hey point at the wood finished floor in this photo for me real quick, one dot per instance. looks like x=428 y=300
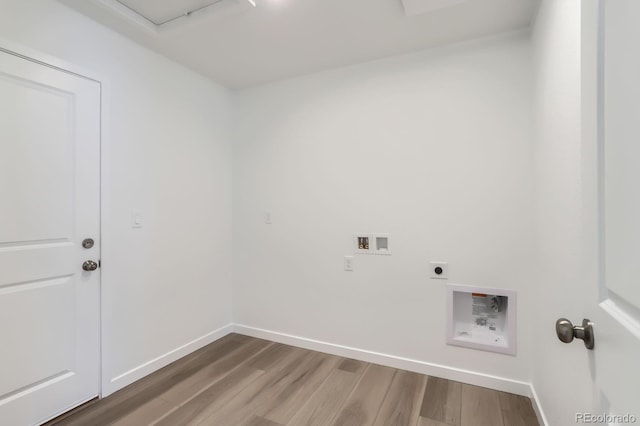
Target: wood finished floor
x=243 y=381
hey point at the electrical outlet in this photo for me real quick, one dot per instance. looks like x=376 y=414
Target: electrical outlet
x=348 y=263
x=439 y=270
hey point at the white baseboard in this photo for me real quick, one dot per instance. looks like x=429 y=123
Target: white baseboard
x=443 y=371
x=422 y=367
x=111 y=385
x=538 y=408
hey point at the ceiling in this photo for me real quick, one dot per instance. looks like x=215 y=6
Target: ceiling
x=239 y=45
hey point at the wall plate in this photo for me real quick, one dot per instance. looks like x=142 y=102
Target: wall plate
x=348 y=263
x=439 y=270
x=137 y=220
x=381 y=244
x=363 y=243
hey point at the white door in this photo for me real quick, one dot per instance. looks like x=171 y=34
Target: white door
x=612 y=218
x=49 y=203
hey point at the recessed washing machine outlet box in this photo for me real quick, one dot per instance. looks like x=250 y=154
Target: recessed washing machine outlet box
x=481 y=318
x=439 y=270
x=363 y=243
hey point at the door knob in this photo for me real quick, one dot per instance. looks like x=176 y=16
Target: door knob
x=567 y=332
x=89 y=265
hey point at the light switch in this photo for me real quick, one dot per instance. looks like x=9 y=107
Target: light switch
x=136 y=219
x=348 y=263
x=267 y=217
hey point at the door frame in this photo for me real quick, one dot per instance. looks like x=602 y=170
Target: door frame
x=44 y=59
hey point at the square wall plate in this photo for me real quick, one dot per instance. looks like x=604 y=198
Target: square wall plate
x=363 y=243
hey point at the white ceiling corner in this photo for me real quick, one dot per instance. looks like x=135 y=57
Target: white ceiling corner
x=238 y=45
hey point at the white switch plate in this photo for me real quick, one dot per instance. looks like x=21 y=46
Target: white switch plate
x=268 y=217
x=444 y=273
x=136 y=219
x=348 y=263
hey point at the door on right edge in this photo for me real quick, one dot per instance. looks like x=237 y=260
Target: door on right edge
x=616 y=315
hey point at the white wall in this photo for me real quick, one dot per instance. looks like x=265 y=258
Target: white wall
x=433 y=148
x=168 y=154
x=562 y=373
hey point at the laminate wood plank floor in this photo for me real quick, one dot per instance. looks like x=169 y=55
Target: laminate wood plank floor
x=243 y=381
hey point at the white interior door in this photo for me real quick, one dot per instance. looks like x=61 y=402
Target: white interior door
x=49 y=203
x=616 y=313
